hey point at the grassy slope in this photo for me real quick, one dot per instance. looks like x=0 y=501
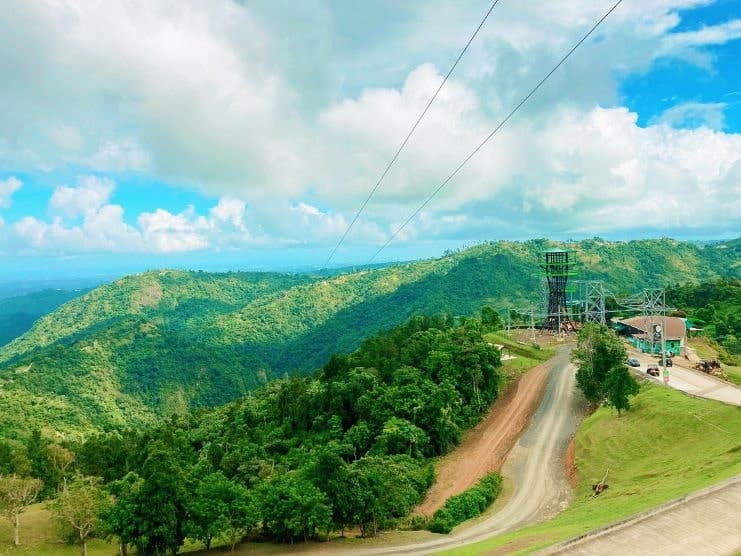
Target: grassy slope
x=525 y=355
x=705 y=350
x=667 y=445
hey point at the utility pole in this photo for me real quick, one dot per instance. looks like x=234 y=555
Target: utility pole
x=532 y=323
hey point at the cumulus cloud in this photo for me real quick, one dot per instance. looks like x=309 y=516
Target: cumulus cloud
x=216 y=96
x=119 y=155
x=82 y=220
x=7 y=188
x=172 y=233
x=90 y=194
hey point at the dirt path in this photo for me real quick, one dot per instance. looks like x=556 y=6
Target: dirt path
x=486 y=446
x=534 y=465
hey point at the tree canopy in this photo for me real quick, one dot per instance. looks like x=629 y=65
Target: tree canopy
x=601 y=371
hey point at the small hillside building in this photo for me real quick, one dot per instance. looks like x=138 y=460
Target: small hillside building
x=644 y=333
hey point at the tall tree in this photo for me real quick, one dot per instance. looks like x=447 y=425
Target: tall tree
x=490 y=319
x=598 y=350
x=16 y=494
x=620 y=384
x=59 y=459
x=121 y=520
x=292 y=507
x=13 y=459
x=81 y=505
x=220 y=506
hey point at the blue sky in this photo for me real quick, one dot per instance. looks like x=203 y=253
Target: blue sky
x=245 y=135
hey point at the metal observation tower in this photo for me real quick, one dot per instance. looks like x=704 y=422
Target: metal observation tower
x=557 y=265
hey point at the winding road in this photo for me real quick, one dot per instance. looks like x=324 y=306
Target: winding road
x=534 y=466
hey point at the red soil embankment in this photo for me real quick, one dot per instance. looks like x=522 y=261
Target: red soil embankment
x=485 y=447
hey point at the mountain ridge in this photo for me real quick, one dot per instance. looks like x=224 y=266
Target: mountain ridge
x=163 y=342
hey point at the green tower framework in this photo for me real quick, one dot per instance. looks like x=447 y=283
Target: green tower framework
x=558 y=265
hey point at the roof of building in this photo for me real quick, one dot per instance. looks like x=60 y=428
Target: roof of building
x=675 y=328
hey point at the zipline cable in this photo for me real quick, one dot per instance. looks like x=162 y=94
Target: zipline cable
x=496 y=129
x=409 y=135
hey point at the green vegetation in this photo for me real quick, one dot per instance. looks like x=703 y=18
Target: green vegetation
x=716 y=308
x=79 y=509
x=706 y=348
x=517 y=357
x=17 y=314
x=668 y=445
x=16 y=495
x=350 y=445
x=162 y=343
x=602 y=374
x=467 y=505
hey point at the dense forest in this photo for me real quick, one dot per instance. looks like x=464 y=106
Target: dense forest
x=164 y=342
x=350 y=445
x=715 y=307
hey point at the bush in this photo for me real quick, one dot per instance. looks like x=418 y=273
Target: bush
x=467 y=505
x=415 y=523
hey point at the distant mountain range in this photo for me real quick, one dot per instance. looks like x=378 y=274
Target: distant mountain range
x=18 y=313
x=163 y=342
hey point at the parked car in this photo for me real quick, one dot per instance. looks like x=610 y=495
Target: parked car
x=633 y=362
x=669 y=362
x=653 y=369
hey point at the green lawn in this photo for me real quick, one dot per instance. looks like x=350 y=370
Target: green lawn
x=39 y=537
x=525 y=355
x=667 y=445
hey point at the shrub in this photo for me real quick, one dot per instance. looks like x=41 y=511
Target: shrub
x=467 y=505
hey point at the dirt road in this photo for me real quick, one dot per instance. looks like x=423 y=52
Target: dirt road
x=534 y=466
x=485 y=448
x=693 y=382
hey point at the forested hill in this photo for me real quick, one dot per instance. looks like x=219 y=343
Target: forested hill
x=18 y=313
x=163 y=342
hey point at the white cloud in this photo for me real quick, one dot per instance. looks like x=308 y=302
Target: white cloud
x=89 y=195
x=171 y=233
x=217 y=96
x=707 y=35
x=120 y=155
x=103 y=228
x=319 y=224
x=7 y=188
x=66 y=137
x=230 y=210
